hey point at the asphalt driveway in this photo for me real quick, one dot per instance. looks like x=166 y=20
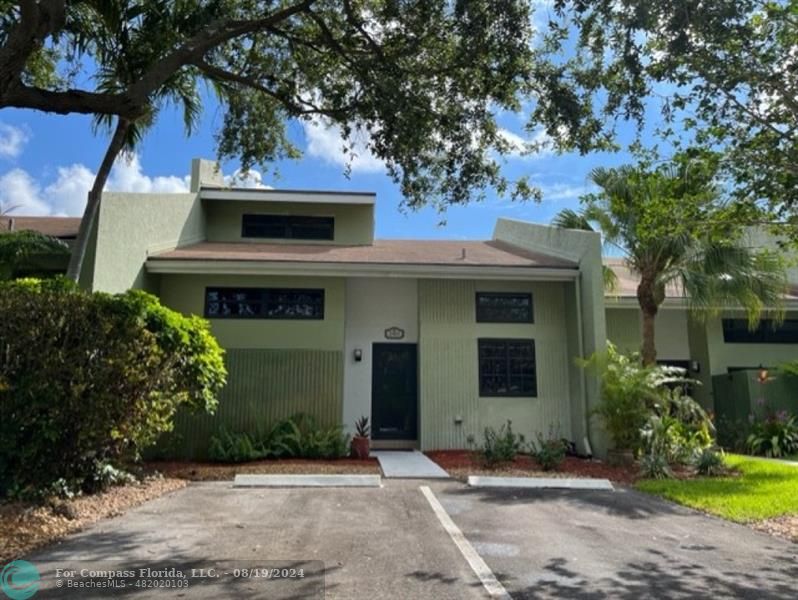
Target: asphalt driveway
x=390 y=543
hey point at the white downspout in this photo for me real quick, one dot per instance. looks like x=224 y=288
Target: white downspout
x=582 y=377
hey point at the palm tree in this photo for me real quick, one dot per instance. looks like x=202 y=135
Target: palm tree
x=668 y=222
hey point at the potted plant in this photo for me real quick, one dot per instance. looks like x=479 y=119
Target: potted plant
x=360 y=441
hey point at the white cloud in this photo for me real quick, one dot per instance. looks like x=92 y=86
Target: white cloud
x=66 y=194
x=20 y=194
x=563 y=191
x=531 y=148
x=246 y=179
x=324 y=141
x=12 y=140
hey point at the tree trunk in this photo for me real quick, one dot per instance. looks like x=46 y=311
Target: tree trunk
x=649 y=349
x=649 y=306
x=93 y=202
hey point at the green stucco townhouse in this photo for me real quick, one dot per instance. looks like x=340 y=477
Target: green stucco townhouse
x=433 y=340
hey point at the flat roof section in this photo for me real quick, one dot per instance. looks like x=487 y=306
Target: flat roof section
x=272 y=195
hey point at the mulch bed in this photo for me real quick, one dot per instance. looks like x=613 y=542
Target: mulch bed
x=462 y=463
x=785 y=527
x=25 y=527
x=207 y=471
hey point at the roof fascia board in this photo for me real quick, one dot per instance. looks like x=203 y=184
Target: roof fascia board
x=234 y=267
x=303 y=196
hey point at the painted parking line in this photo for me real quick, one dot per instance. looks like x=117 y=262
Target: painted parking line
x=494 y=588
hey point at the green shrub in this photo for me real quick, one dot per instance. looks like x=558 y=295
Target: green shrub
x=500 y=446
x=550 y=451
x=232 y=447
x=774 y=435
x=632 y=394
x=296 y=437
x=627 y=391
x=87 y=380
x=709 y=462
x=655 y=466
x=733 y=434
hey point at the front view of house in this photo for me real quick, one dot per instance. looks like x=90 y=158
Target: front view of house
x=432 y=340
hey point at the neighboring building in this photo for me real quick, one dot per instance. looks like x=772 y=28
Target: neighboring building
x=714 y=348
x=62 y=228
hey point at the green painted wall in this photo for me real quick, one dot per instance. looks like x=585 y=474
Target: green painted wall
x=449 y=386
x=740 y=393
x=186 y=293
x=624 y=329
x=131 y=226
x=583 y=247
x=264 y=386
x=354 y=223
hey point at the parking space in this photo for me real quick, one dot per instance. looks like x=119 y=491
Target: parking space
x=389 y=542
x=622 y=544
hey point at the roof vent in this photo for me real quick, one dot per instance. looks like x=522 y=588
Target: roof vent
x=463 y=254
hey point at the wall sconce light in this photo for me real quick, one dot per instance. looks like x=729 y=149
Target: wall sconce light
x=358 y=354
x=695 y=366
x=762 y=376
x=458 y=419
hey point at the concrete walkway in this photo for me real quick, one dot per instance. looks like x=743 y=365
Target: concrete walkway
x=408 y=465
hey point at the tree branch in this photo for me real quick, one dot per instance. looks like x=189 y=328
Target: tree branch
x=37 y=20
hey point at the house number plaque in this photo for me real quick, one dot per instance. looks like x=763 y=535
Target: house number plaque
x=394 y=333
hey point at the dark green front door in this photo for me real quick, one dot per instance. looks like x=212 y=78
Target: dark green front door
x=394 y=392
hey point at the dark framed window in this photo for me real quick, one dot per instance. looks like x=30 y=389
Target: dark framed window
x=736 y=331
x=504 y=307
x=507 y=367
x=263 y=303
x=288 y=227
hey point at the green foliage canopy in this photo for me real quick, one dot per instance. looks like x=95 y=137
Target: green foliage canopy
x=87 y=379
x=726 y=70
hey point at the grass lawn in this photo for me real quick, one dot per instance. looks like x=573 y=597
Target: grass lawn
x=762 y=490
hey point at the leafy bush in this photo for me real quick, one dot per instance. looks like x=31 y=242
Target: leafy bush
x=774 y=435
x=500 y=446
x=655 y=466
x=709 y=462
x=87 y=380
x=233 y=447
x=550 y=451
x=627 y=390
x=733 y=434
x=645 y=406
x=296 y=437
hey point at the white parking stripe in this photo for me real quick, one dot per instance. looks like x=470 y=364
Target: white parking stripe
x=482 y=570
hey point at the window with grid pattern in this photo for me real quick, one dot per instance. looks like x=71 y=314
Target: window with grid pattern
x=507 y=367
x=264 y=303
x=504 y=307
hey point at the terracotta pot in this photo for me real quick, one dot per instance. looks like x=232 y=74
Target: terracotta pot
x=360 y=447
x=620 y=458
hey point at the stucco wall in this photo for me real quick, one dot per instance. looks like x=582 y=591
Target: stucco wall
x=132 y=225
x=186 y=293
x=624 y=330
x=372 y=306
x=354 y=223
x=723 y=355
x=449 y=381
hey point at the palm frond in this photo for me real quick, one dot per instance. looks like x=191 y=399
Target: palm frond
x=728 y=274
x=570 y=219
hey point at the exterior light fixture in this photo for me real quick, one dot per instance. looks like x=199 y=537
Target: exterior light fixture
x=358 y=354
x=695 y=366
x=762 y=376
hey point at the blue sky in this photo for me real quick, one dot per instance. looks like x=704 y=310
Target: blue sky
x=47 y=163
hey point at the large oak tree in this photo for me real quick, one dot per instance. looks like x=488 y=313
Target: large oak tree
x=421 y=80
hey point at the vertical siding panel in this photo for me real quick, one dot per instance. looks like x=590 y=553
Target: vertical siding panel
x=449 y=383
x=264 y=386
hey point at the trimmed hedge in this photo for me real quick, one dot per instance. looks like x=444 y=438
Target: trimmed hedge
x=88 y=379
